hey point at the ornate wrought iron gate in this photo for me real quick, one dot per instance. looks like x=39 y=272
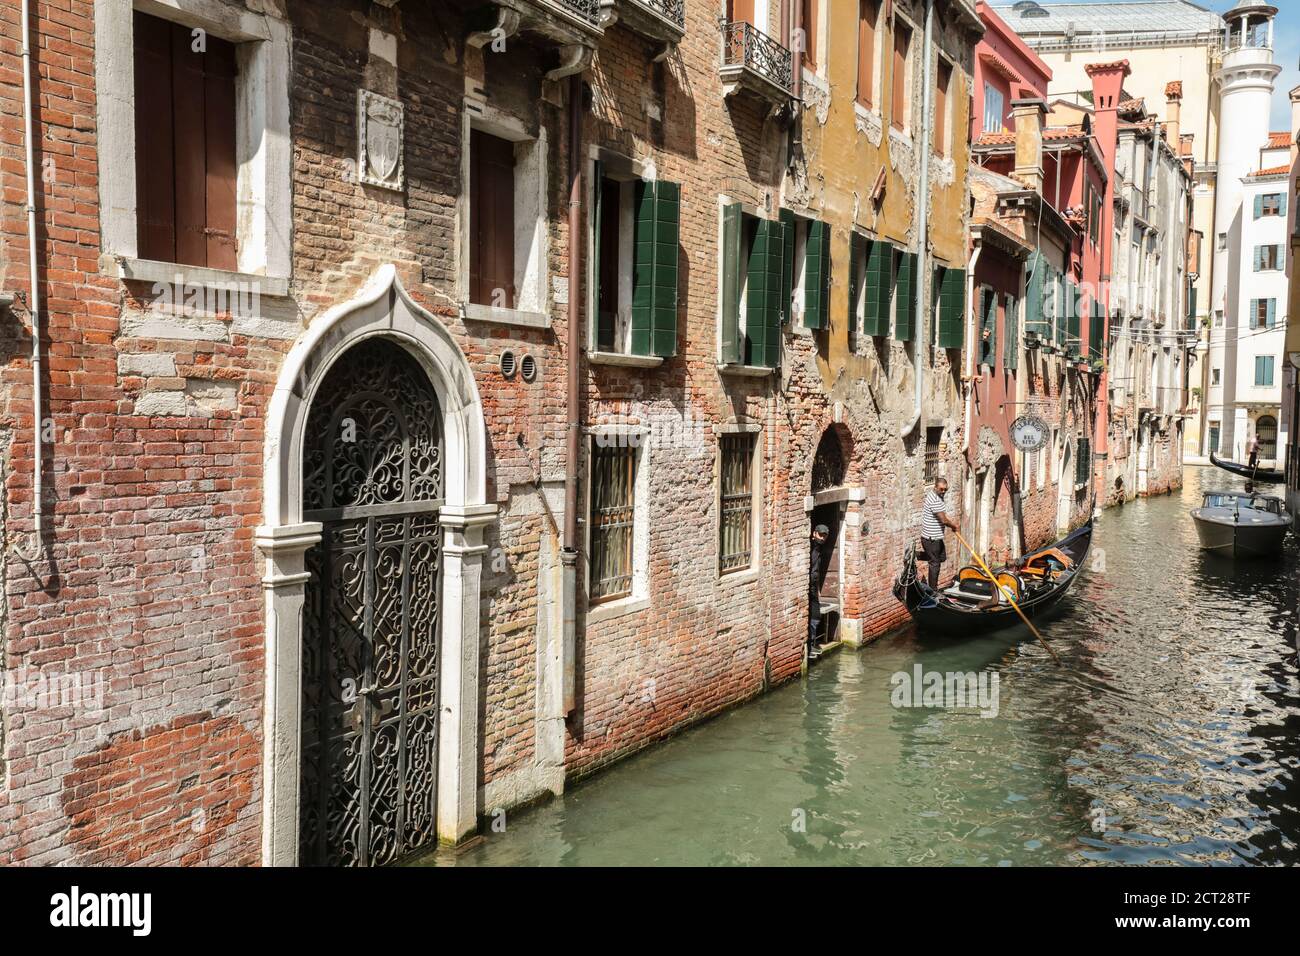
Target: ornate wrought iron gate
x=372 y=467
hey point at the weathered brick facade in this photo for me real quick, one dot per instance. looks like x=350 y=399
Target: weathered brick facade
x=150 y=583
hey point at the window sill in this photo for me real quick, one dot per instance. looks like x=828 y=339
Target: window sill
x=620 y=358
x=175 y=273
x=734 y=579
x=614 y=609
x=745 y=371
x=516 y=317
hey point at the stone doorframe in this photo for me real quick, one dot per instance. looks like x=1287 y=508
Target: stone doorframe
x=381 y=308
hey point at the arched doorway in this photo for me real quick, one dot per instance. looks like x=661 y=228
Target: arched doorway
x=1266 y=431
x=458 y=516
x=372 y=476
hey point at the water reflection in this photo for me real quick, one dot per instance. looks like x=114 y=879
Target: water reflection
x=1172 y=735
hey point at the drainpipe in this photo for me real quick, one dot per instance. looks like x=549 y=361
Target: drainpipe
x=569 y=552
x=796 y=59
x=923 y=218
x=34 y=298
x=971 y=343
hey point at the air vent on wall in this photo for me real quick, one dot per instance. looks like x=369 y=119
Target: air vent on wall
x=508 y=364
x=528 y=368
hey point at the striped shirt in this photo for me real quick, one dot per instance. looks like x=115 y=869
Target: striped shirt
x=933 y=507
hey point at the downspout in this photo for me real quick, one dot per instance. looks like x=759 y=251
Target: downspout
x=969 y=376
x=796 y=59
x=34 y=297
x=923 y=218
x=569 y=552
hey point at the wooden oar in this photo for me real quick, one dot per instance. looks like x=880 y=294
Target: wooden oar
x=1010 y=597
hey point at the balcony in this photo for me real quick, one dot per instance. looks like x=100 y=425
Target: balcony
x=661 y=21
x=573 y=26
x=754 y=63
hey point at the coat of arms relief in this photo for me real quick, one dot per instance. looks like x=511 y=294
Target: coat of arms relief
x=379 y=140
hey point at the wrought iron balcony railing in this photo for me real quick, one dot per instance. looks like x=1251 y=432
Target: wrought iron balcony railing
x=674 y=11
x=745 y=46
x=588 y=10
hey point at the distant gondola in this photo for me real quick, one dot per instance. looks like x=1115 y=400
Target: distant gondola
x=975 y=604
x=1269 y=476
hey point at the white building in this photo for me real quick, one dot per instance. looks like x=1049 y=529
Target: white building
x=1248 y=299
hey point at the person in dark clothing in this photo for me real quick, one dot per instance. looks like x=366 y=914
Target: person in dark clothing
x=819 y=552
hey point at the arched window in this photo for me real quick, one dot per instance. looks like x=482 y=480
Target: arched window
x=1266 y=429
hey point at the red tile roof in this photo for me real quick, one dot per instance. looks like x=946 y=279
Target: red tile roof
x=1271 y=171
x=1280 y=140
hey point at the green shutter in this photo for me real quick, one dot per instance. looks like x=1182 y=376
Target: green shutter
x=1096 y=331
x=855 y=264
x=763 y=299
x=905 y=309
x=787 y=263
x=879 y=277
x=1272 y=313
x=733 y=229
x=1059 y=312
x=952 y=309
x=988 y=327
x=1037 y=317
x=817 y=278
x=1191 y=308
x=654 y=269
x=1011 y=329
x=1072 y=317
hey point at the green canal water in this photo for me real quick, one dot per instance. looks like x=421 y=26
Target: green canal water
x=1171 y=736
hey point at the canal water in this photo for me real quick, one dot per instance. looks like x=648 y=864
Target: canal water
x=1171 y=736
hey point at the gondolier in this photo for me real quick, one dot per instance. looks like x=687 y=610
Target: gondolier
x=934 y=518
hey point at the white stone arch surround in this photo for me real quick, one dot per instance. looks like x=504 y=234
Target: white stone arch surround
x=381 y=308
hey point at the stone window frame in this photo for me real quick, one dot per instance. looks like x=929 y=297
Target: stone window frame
x=755 y=568
x=262 y=141
x=745 y=371
x=639 y=599
x=533 y=301
x=908 y=128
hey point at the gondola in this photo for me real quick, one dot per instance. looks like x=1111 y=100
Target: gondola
x=974 y=604
x=1269 y=476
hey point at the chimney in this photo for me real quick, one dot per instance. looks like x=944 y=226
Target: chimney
x=1173 y=112
x=1107 y=87
x=1185 y=144
x=1028 y=116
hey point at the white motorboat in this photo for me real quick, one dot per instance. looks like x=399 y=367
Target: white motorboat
x=1240 y=524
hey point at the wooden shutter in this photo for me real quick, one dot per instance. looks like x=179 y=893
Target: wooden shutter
x=1096 y=325
x=787 y=264
x=902 y=39
x=817 y=278
x=867 y=13
x=1281 y=206
x=1011 y=334
x=608 y=199
x=942 y=80
x=654 y=269
x=879 y=278
x=1259 y=258
x=1272 y=313
x=905 y=303
x=1191 y=308
x=733 y=228
x=186 y=168
x=762 y=298
x=855 y=266
x=1259 y=206
x=988 y=327
x=492 y=220
x=1060 y=312
x=1037 y=320
x=952 y=309
x=809 y=32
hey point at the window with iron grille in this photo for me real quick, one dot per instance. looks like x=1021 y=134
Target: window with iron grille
x=613 y=481
x=736 y=528
x=1083 y=461
x=933 y=442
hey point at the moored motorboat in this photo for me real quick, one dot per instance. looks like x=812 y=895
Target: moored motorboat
x=1268 y=476
x=975 y=603
x=1240 y=524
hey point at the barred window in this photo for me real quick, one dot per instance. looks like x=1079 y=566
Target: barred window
x=613 y=480
x=933 y=442
x=736 y=529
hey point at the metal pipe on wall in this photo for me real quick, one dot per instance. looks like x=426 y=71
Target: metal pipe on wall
x=569 y=550
x=34 y=296
x=923 y=217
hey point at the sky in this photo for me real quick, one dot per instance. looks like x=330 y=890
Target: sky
x=1286 y=53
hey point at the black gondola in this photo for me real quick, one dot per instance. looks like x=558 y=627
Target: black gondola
x=974 y=603
x=1269 y=476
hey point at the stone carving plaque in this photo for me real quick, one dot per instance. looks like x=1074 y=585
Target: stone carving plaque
x=379 y=140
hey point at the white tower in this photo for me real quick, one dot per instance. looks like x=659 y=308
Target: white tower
x=1245 y=77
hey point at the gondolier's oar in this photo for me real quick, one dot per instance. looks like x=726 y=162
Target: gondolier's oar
x=1007 y=592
